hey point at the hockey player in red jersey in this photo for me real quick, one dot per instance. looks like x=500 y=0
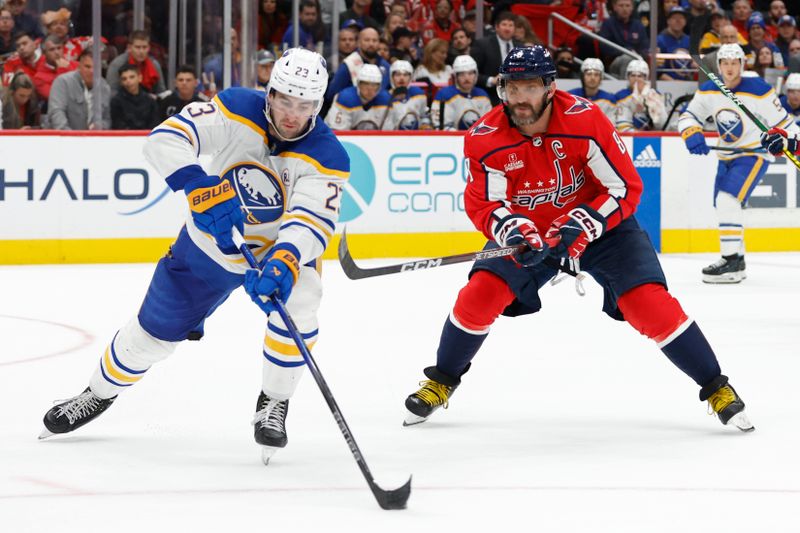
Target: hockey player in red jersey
x=549 y=171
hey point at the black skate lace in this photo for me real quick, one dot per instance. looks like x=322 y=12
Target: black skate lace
x=271 y=416
x=79 y=406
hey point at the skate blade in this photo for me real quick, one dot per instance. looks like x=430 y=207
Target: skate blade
x=740 y=421
x=266 y=453
x=413 y=420
x=725 y=278
x=46 y=433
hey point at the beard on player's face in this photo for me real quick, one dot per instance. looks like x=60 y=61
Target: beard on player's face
x=525 y=113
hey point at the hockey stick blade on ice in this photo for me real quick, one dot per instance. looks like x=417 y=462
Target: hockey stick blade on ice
x=387 y=499
x=716 y=80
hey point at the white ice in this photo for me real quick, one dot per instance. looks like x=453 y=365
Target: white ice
x=568 y=421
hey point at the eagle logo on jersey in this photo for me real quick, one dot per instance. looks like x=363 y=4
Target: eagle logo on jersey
x=580 y=105
x=482 y=129
x=729 y=125
x=260 y=191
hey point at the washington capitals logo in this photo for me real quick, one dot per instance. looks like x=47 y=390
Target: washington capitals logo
x=482 y=129
x=580 y=105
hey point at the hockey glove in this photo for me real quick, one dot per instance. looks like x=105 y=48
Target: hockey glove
x=570 y=234
x=276 y=279
x=695 y=141
x=776 y=140
x=215 y=209
x=517 y=229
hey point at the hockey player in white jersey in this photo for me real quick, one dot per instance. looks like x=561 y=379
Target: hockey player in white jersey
x=363 y=107
x=737 y=173
x=276 y=175
x=459 y=106
x=791 y=100
x=639 y=107
x=592 y=71
x=409 y=107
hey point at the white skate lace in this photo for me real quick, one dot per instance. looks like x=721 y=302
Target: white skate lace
x=719 y=263
x=271 y=416
x=79 y=406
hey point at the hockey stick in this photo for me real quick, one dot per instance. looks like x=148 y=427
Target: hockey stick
x=738 y=150
x=735 y=99
x=387 y=499
x=353 y=271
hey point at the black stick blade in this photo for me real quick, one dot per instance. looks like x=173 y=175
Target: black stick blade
x=392 y=500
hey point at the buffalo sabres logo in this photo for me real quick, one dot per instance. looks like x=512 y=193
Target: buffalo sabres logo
x=580 y=105
x=729 y=125
x=482 y=129
x=260 y=191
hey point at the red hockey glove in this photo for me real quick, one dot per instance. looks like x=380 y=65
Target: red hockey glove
x=517 y=229
x=570 y=234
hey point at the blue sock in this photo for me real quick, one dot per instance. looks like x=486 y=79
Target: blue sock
x=456 y=349
x=691 y=352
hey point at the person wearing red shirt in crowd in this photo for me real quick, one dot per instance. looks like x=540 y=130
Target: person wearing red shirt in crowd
x=741 y=14
x=54 y=65
x=272 y=25
x=138 y=54
x=441 y=25
x=26 y=59
x=57 y=23
x=6 y=32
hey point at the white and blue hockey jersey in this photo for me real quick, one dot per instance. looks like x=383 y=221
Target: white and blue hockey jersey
x=291 y=191
x=794 y=113
x=348 y=112
x=605 y=100
x=455 y=110
x=735 y=129
x=408 y=110
x=643 y=111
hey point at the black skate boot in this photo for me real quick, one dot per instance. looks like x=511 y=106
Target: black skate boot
x=728 y=269
x=270 y=425
x=73 y=413
x=725 y=403
x=435 y=393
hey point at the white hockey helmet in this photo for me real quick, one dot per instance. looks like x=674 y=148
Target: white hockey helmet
x=730 y=51
x=303 y=74
x=793 y=82
x=592 y=63
x=369 y=73
x=637 y=66
x=401 y=65
x=464 y=63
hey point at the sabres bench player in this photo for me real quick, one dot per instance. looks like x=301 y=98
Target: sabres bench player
x=737 y=173
x=549 y=171
x=276 y=176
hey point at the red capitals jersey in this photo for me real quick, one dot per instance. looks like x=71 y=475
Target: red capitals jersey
x=15 y=63
x=580 y=159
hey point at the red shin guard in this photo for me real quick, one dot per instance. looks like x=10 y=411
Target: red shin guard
x=652 y=311
x=481 y=301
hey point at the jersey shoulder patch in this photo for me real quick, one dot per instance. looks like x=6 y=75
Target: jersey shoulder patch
x=244 y=105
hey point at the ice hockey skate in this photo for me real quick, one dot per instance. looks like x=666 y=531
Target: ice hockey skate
x=726 y=404
x=727 y=269
x=270 y=425
x=71 y=414
x=434 y=393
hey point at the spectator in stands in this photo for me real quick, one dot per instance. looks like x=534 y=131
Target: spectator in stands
x=469 y=23
x=26 y=59
x=360 y=11
x=663 y=8
x=765 y=58
x=592 y=71
x=138 y=54
x=393 y=21
x=791 y=100
x=132 y=108
x=728 y=34
x=362 y=107
x=23 y=20
x=459 y=45
x=794 y=56
x=566 y=68
x=7 y=45
x=490 y=51
x=777 y=9
x=20 y=109
x=459 y=106
x=741 y=14
x=409 y=107
x=787 y=32
x=624 y=30
x=265 y=61
x=308 y=19
x=639 y=107
x=383 y=49
x=54 y=65
x=673 y=40
x=434 y=68
x=272 y=24
x=698 y=21
x=367 y=52
x=441 y=26
x=403 y=47
x=710 y=40
x=185 y=92
x=347 y=43
x=757 y=39
x=71 y=104
x=523 y=32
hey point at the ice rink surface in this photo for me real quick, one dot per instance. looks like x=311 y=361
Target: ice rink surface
x=568 y=421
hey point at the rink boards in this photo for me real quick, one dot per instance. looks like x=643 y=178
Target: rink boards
x=82 y=198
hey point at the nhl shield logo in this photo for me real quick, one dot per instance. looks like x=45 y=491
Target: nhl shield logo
x=259 y=190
